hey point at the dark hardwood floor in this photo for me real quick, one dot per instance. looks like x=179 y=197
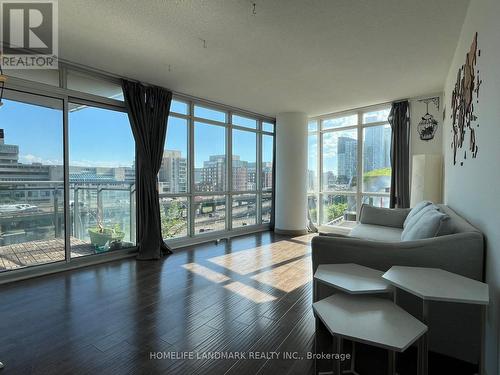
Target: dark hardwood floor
x=251 y=294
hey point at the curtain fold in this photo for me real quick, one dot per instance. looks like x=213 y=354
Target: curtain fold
x=399 y=118
x=148 y=108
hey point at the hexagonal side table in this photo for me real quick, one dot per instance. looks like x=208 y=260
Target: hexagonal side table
x=369 y=320
x=434 y=284
x=353 y=279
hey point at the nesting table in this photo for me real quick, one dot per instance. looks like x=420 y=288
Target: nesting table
x=433 y=284
x=360 y=317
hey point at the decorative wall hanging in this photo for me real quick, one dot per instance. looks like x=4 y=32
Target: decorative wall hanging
x=464 y=96
x=428 y=125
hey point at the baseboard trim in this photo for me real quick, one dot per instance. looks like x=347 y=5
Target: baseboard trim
x=290 y=232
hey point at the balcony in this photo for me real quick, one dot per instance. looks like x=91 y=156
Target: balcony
x=101 y=217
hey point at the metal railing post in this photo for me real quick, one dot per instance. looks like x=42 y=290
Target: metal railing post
x=133 y=229
x=76 y=213
x=100 y=212
x=57 y=223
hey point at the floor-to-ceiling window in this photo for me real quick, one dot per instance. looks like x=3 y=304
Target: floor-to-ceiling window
x=348 y=164
x=101 y=179
x=173 y=178
x=216 y=173
x=67 y=169
x=31 y=181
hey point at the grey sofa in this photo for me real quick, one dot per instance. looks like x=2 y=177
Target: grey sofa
x=376 y=242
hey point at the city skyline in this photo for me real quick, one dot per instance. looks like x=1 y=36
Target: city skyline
x=340 y=159
x=38 y=132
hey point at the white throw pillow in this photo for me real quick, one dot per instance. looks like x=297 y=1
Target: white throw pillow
x=415 y=210
x=428 y=225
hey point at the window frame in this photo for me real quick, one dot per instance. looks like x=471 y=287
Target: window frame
x=28 y=87
x=228 y=191
x=360 y=127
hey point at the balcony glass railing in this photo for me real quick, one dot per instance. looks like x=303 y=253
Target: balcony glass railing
x=32 y=225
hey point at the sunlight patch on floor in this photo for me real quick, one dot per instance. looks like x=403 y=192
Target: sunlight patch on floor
x=249 y=292
x=287 y=277
x=205 y=272
x=252 y=260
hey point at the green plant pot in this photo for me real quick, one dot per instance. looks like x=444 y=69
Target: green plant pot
x=99 y=239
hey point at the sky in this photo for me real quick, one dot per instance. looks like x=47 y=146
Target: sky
x=99 y=137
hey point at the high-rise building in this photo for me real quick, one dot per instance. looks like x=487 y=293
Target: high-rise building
x=267 y=175
x=252 y=176
x=173 y=172
x=212 y=176
x=376 y=148
x=240 y=174
x=346 y=159
x=12 y=170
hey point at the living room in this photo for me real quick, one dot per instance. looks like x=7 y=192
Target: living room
x=219 y=187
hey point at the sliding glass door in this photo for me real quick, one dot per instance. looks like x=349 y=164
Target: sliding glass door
x=101 y=180
x=31 y=181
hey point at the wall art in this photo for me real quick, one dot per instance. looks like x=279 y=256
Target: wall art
x=428 y=125
x=464 y=97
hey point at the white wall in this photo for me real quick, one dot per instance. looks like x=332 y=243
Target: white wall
x=418 y=146
x=291 y=172
x=473 y=189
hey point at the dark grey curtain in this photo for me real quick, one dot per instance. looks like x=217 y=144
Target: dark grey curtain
x=148 y=108
x=399 y=118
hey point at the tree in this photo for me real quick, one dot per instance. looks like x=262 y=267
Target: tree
x=172 y=222
x=335 y=210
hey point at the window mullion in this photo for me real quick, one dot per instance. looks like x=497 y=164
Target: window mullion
x=191 y=203
x=359 y=163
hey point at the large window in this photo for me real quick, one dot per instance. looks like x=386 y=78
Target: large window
x=267 y=162
x=216 y=167
x=352 y=152
x=210 y=172
x=102 y=180
x=173 y=176
x=31 y=181
x=244 y=160
x=68 y=173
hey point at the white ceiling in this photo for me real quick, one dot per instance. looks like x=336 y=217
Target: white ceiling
x=313 y=56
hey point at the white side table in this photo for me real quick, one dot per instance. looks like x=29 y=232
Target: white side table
x=369 y=320
x=352 y=279
x=434 y=284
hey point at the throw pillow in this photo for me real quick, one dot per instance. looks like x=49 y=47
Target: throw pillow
x=415 y=210
x=428 y=225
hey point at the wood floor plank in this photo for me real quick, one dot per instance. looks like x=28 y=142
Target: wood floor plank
x=250 y=294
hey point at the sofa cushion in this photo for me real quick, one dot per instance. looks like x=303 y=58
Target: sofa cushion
x=409 y=223
x=430 y=224
x=415 y=210
x=383 y=216
x=376 y=233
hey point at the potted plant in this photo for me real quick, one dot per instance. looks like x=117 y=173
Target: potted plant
x=100 y=235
